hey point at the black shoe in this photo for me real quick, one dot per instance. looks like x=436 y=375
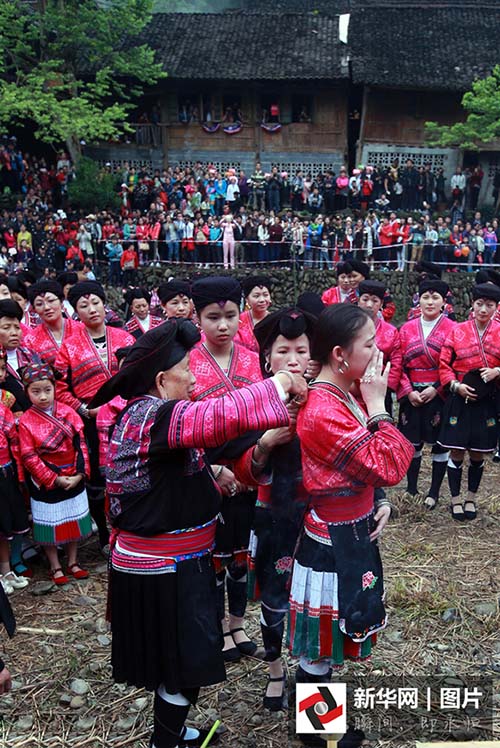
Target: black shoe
x=470 y=513
x=276 y=703
x=233 y=654
x=196 y=742
x=457 y=512
x=315 y=741
x=496 y=456
x=302 y=676
x=248 y=648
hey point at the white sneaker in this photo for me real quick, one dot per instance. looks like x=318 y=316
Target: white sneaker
x=18 y=583
x=7 y=587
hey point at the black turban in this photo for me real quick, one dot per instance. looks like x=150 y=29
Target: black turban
x=372 y=287
x=433 y=285
x=311 y=303
x=85 y=288
x=291 y=322
x=344 y=268
x=360 y=267
x=157 y=350
x=215 y=290
x=173 y=288
x=482 y=276
x=137 y=293
x=68 y=277
x=45 y=286
x=429 y=268
x=486 y=291
x=11 y=309
x=254 y=281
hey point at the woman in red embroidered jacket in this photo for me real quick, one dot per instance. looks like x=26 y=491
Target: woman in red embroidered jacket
x=420 y=395
x=55 y=458
x=13 y=517
x=46 y=298
x=85 y=361
x=469 y=367
x=163 y=503
x=221 y=366
x=18 y=355
x=337 y=584
x=138 y=301
x=343 y=291
x=257 y=293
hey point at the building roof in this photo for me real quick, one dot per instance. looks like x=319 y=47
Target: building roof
x=433 y=44
x=248 y=46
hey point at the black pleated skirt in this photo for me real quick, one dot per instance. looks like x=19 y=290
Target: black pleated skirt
x=166 y=629
x=471 y=425
x=13 y=514
x=421 y=424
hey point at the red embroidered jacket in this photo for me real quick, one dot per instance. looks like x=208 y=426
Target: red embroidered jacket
x=387 y=339
x=342 y=461
x=135 y=328
x=41 y=340
x=9 y=441
x=52 y=444
x=420 y=358
x=333 y=296
x=464 y=350
x=106 y=419
x=212 y=381
x=245 y=336
x=82 y=368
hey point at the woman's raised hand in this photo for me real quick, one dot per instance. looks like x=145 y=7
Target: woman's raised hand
x=373 y=383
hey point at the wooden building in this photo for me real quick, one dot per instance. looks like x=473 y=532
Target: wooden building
x=352 y=81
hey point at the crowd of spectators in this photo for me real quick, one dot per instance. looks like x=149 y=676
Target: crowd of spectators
x=198 y=215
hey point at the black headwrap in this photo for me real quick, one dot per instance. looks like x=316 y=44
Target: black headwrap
x=157 y=350
x=43 y=287
x=493 y=277
x=290 y=322
x=16 y=285
x=68 y=277
x=429 y=268
x=11 y=309
x=372 y=287
x=433 y=284
x=344 y=268
x=215 y=290
x=486 y=291
x=254 y=281
x=85 y=288
x=360 y=267
x=26 y=276
x=173 y=288
x=311 y=302
x=482 y=276
x=137 y=293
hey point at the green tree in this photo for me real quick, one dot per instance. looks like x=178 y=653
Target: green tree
x=72 y=67
x=482 y=123
x=92 y=188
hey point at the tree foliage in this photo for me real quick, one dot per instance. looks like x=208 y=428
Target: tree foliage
x=482 y=124
x=72 y=66
x=92 y=188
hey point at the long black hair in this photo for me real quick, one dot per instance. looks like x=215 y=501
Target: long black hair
x=339 y=325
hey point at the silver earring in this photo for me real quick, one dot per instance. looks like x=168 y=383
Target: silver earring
x=345 y=363
x=267 y=368
x=340 y=370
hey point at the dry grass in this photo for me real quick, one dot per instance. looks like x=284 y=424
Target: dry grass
x=431 y=564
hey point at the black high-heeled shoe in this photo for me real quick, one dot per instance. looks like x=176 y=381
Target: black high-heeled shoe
x=233 y=654
x=276 y=703
x=248 y=648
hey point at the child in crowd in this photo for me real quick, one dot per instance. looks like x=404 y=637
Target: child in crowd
x=55 y=456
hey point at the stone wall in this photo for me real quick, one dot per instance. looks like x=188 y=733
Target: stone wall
x=289 y=284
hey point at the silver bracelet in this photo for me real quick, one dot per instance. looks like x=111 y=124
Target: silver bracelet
x=218 y=472
x=288 y=373
x=454 y=385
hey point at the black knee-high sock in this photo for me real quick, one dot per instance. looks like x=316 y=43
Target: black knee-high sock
x=237 y=594
x=413 y=471
x=272 y=625
x=437 y=476
x=168 y=722
x=220 y=593
x=455 y=476
x=474 y=475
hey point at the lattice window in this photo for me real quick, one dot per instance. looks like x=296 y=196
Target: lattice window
x=117 y=164
x=221 y=166
x=385 y=158
x=493 y=165
x=292 y=167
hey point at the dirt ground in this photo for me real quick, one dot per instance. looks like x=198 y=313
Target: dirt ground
x=433 y=567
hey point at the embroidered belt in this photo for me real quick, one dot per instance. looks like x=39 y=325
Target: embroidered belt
x=317 y=529
x=424 y=376
x=160 y=554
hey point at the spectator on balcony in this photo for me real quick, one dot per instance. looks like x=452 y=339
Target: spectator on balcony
x=341 y=189
x=408 y=179
x=233 y=194
x=273 y=190
x=298 y=192
x=458 y=184
x=220 y=194
x=258 y=191
x=243 y=188
x=315 y=201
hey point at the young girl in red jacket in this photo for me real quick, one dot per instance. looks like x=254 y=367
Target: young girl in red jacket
x=55 y=458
